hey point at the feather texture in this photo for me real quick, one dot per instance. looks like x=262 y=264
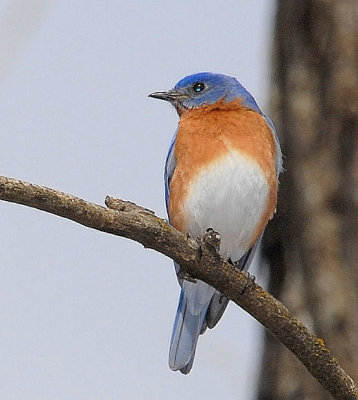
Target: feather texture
x=221 y=173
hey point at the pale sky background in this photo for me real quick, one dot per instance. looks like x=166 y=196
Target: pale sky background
x=85 y=315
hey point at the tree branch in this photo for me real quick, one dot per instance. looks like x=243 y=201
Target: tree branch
x=197 y=258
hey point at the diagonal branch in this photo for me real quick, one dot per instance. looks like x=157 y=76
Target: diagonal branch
x=201 y=261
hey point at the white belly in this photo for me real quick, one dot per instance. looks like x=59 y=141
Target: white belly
x=230 y=197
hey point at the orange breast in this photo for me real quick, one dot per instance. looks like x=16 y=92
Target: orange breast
x=206 y=134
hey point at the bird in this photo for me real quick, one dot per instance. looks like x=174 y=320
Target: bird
x=221 y=173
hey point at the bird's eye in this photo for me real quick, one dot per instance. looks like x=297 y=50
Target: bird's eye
x=199 y=87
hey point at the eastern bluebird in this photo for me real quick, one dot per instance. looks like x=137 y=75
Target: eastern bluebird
x=221 y=172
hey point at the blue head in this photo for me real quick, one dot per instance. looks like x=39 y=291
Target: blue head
x=206 y=88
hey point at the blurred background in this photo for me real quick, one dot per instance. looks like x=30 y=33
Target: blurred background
x=86 y=315
x=312 y=243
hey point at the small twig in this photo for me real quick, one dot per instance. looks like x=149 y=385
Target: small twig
x=200 y=261
x=126 y=206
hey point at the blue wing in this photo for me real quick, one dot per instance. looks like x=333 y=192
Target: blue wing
x=200 y=307
x=194 y=300
x=170 y=163
x=278 y=159
x=189 y=322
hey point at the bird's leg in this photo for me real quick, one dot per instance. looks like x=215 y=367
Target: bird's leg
x=250 y=279
x=212 y=238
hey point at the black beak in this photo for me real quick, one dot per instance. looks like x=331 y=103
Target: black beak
x=171 y=95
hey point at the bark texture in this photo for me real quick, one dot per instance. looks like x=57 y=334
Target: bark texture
x=198 y=258
x=312 y=244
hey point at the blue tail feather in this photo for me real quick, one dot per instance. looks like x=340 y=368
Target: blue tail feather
x=192 y=309
x=200 y=307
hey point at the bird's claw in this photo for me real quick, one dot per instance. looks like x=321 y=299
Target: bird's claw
x=212 y=238
x=250 y=279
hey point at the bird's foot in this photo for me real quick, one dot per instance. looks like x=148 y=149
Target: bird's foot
x=212 y=238
x=250 y=279
x=209 y=241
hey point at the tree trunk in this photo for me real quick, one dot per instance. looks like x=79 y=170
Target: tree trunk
x=312 y=244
